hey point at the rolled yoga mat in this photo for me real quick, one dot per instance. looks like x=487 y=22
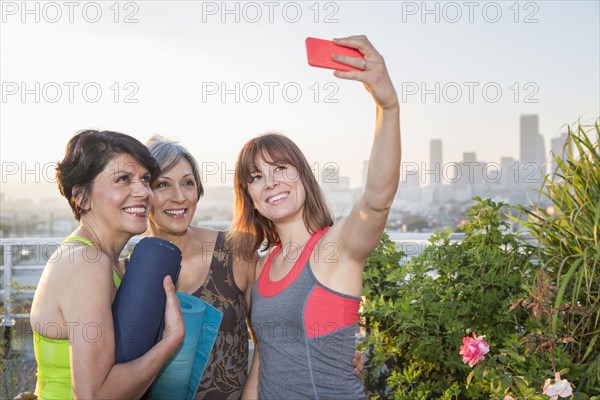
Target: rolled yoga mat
x=139 y=306
x=180 y=378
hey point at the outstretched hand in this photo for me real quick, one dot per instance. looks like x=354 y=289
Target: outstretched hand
x=374 y=74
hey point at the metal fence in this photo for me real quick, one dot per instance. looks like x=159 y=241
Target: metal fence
x=23 y=260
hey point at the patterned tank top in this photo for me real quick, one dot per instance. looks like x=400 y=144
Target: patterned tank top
x=227 y=367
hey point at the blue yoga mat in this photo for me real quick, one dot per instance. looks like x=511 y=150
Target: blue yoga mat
x=139 y=306
x=180 y=378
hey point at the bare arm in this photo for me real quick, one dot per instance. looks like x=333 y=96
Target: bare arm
x=360 y=232
x=250 y=267
x=87 y=310
x=250 y=391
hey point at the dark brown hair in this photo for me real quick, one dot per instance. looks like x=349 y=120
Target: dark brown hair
x=87 y=154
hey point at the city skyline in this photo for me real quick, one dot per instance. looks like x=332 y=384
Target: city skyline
x=329 y=174
x=431 y=195
x=212 y=76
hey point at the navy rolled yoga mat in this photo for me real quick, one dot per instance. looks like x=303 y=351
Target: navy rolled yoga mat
x=139 y=306
x=180 y=378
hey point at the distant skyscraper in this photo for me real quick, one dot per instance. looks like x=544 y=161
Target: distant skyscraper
x=509 y=168
x=541 y=154
x=469 y=157
x=435 y=160
x=533 y=150
x=435 y=168
x=529 y=127
x=470 y=171
x=410 y=178
x=557 y=145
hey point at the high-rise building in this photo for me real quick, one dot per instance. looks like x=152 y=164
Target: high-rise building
x=509 y=170
x=556 y=147
x=469 y=172
x=435 y=165
x=410 y=179
x=533 y=150
x=435 y=160
x=469 y=157
x=529 y=128
x=541 y=154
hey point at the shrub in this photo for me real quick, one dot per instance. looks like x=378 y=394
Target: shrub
x=423 y=309
x=537 y=304
x=569 y=249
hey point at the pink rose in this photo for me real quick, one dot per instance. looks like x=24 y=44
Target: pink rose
x=473 y=349
x=508 y=398
x=557 y=387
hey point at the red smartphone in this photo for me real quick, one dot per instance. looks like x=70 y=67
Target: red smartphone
x=319 y=53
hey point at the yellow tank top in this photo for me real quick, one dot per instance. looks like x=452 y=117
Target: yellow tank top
x=53 y=368
x=53 y=358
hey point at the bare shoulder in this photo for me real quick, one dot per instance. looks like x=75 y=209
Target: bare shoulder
x=78 y=260
x=87 y=280
x=332 y=264
x=260 y=263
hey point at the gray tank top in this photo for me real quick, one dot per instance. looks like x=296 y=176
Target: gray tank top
x=306 y=333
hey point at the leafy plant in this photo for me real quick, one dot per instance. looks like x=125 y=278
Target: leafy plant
x=569 y=250
x=423 y=309
x=537 y=304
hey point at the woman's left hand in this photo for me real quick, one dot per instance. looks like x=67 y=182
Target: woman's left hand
x=359 y=364
x=374 y=74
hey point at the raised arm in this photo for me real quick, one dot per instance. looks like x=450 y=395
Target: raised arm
x=360 y=232
x=87 y=311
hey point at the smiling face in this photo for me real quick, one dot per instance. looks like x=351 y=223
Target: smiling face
x=276 y=190
x=175 y=199
x=120 y=197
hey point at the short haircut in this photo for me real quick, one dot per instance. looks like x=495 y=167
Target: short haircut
x=86 y=156
x=168 y=153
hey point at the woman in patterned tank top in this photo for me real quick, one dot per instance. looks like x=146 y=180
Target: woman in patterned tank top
x=209 y=267
x=306 y=297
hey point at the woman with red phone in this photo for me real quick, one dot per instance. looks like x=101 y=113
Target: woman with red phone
x=308 y=284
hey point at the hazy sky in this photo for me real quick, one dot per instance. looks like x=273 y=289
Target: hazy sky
x=214 y=74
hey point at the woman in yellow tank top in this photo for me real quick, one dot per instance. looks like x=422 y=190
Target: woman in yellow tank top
x=52 y=355
x=106 y=178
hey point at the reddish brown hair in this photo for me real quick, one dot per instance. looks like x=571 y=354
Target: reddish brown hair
x=250 y=229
